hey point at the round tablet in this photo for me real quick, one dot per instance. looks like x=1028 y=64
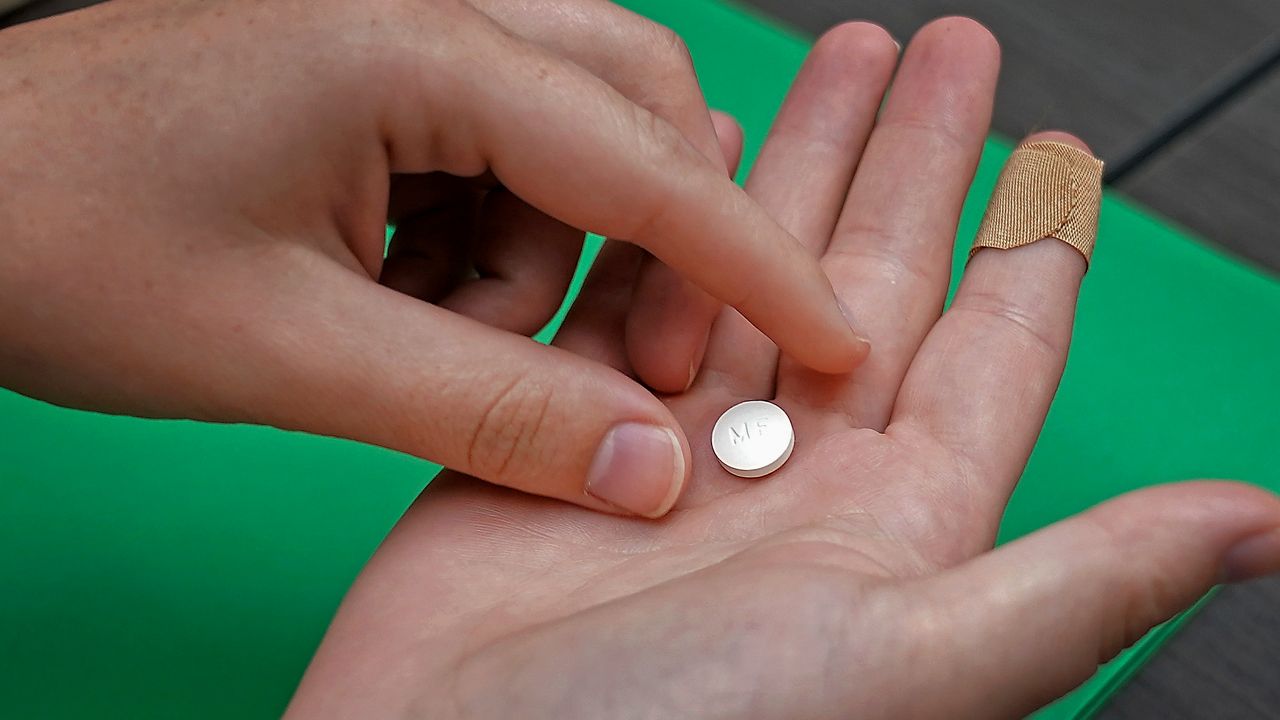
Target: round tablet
x=752 y=439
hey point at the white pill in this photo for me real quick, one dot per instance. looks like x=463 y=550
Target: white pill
x=752 y=439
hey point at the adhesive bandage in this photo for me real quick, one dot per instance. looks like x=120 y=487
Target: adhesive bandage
x=1047 y=189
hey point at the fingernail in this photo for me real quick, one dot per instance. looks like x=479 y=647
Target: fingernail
x=1253 y=557
x=848 y=318
x=639 y=468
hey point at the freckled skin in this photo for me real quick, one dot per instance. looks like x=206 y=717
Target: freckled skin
x=197 y=194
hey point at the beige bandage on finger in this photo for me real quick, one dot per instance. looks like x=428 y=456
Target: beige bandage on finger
x=1047 y=189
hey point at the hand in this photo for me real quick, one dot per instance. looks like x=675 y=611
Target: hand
x=196 y=194
x=859 y=580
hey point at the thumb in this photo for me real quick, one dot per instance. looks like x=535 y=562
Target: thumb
x=1036 y=617
x=363 y=362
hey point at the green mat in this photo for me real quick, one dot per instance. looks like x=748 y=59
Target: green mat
x=172 y=569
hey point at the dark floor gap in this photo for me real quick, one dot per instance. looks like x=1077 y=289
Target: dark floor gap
x=1231 y=85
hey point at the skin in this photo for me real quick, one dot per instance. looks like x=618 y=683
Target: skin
x=859 y=580
x=204 y=243
x=196 y=195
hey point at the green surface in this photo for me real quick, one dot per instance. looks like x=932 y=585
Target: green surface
x=171 y=569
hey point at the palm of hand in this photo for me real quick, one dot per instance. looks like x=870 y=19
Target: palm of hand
x=745 y=575
x=855 y=580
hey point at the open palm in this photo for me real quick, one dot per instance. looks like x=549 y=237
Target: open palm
x=858 y=580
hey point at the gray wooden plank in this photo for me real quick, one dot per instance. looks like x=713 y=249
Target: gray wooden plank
x=1222 y=180
x=1111 y=74
x=1224 y=665
x=1106 y=71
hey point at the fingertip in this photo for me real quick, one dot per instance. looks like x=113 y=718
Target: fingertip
x=667 y=328
x=731 y=137
x=1058 y=136
x=826 y=339
x=1240 y=523
x=960 y=34
x=845 y=355
x=837 y=361
x=639 y=469
x=859 y=41
x=1252 y=558
x=725 y=123
x=666 y=356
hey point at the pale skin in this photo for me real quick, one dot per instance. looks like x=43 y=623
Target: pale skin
x=196 y=195
x=193 y=229
x=860 y=580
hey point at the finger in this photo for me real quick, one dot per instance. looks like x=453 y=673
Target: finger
x=594 y=328
x=1080 y=591
x=429 y=253
x=670 y=320
x=644 y=61
x=729 y=138
x=622 y=172
x=802 y=175
x=890 y=256
x=525 y=261
x=650 y=65
x=983 y=380
x=344 y=357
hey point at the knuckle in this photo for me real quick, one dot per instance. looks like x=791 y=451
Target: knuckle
x=940 y=133
x=1147 y=604
x=668 y=86
x=671 y=48
x=1144 y=599
x=667 y=140
x=870 y=250
x=511 y=431
x=1005 y=318
x=665 y=77
x=662 y=147
x=1060 y=136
